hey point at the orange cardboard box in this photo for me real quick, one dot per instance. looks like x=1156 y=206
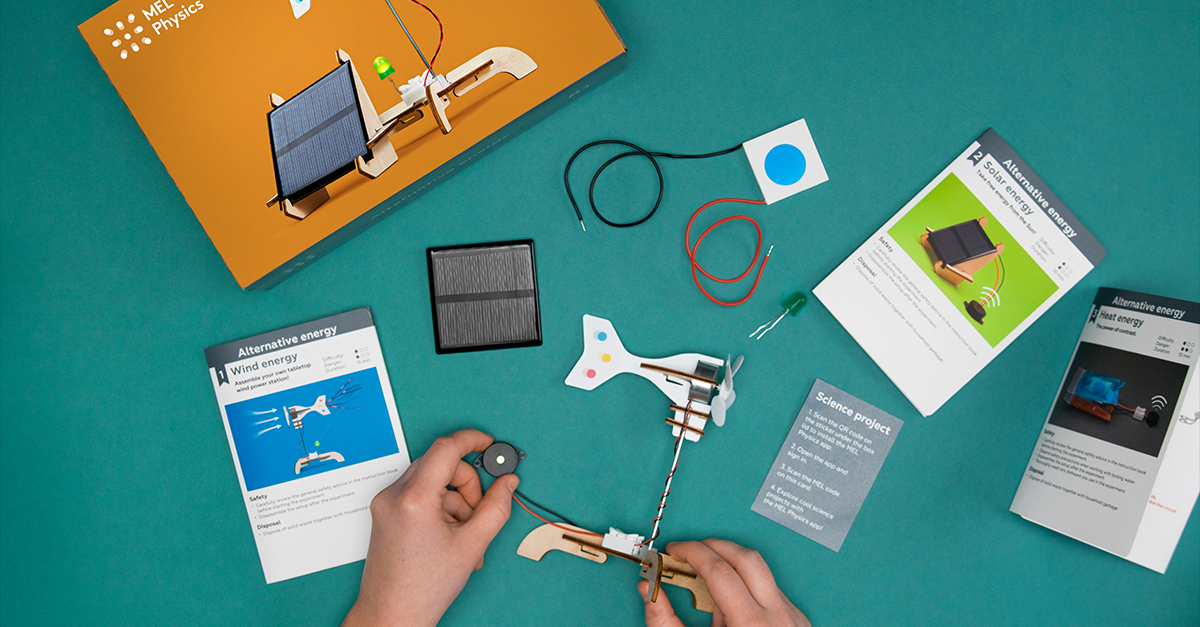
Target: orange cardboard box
x=199 y=78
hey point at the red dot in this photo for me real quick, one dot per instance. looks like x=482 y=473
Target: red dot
x=591 y=374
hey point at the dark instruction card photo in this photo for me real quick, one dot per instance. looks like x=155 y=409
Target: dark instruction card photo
x=827 y=465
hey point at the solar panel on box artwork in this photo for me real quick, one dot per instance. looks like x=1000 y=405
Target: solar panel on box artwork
x=484 y=296
x=317 y=134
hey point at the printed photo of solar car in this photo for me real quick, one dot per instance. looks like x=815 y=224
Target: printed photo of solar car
x=970 y=257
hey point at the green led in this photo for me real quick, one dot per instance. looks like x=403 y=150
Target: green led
x=383 y=67
x=792 y=304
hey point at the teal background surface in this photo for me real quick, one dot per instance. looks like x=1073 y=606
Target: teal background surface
x=119 y=503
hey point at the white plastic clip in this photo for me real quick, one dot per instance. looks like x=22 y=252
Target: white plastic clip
x=626 y=543
x=413 y=91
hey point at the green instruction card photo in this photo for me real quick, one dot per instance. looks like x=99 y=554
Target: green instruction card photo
x=951 y=236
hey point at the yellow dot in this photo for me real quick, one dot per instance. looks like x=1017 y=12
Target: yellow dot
x=606 y=358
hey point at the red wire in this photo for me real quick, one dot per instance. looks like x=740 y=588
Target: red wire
x=667 y=491
x=691 y=250
x=441 y=33
x=996 y=261
x=587 y=533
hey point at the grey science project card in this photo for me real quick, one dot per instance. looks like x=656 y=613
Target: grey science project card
x=827 y=465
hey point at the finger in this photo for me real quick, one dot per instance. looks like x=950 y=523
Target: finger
x=659 y=613
x=727 y=588
x=454 y=504
x=718 y=617
x=751 y=567
x=440 y=462
x=466 y=481
x=493 y=510
x=479 y=566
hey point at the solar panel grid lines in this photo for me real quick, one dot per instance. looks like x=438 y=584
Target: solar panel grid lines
x=484 y=270
x=961 y=242
x=318 y=133
x=482 y=322
x=485 y=296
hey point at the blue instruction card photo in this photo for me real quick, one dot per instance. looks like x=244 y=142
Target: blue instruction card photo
x=827 y=465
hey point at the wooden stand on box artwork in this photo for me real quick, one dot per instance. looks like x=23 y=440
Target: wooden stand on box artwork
x=659 y=569
x=965 y=270
x=464 y=78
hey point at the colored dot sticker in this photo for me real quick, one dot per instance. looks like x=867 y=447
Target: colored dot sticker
x=784 y=164
x=601 y=335
x=606 y=358
x=591 y=374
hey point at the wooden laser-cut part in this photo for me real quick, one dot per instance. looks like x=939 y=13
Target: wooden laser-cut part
x=692 y=412
x=676 y=423
x=301 y=208
x=490 y=62
x=548 y=538
x=437 y=107
x=681 y=375
x=578 y=542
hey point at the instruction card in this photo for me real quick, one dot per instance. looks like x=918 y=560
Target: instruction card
x=962 y=270
x=827 y=465
x=1117 y=464
x=314 y=434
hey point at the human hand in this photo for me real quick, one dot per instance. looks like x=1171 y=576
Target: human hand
x=425 y=538
x=741 y=584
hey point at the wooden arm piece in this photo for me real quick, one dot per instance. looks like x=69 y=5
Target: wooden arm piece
x=489 y=63
x=576 y=541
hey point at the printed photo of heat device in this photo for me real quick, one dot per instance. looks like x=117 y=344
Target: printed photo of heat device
x=1119 y=397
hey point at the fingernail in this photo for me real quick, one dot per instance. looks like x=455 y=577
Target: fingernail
x=512 y=484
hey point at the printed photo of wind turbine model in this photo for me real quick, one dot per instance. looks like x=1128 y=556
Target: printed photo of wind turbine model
x=322 y=406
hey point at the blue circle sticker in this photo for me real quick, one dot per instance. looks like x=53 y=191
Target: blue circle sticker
x=784 y=164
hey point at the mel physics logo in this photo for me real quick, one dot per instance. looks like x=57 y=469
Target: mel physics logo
x=123 y=35
x=160 y=21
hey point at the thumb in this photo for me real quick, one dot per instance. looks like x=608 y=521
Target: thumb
x=660 y=613
x=493 y=511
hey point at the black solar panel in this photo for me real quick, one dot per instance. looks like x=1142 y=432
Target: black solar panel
x=961 y=242
x=484 y=296
x=316 y=135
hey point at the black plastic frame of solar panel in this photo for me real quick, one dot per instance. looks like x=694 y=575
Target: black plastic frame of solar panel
x=335 y=173
x=483 y=297
x=962 y=242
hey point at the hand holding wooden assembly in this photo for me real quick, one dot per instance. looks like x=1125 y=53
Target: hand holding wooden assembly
x=689 y=381
x=658 y=568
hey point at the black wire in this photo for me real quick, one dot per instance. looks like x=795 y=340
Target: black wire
x=637 y=151
x=545 y=509
x=1003 y=272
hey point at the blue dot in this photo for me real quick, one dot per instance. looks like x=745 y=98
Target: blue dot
x=784 y=164
x=602 y=336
